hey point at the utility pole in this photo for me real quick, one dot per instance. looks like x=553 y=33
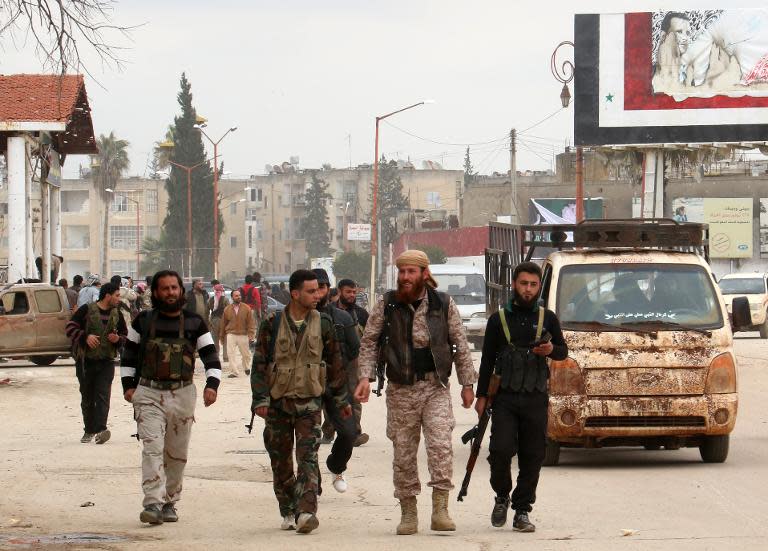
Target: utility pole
x=513 y=175
x=272 y=199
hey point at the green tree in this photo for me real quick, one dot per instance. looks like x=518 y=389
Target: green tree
x=469 y=171
x=390 y=200
x=108 y=166
x=435 y=254
x=188 y=151
x=355 y=266
x=317 y=234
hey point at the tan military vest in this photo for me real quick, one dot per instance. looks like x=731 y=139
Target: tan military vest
x=298 y=373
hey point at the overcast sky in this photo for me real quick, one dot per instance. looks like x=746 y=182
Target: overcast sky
x=306 y=78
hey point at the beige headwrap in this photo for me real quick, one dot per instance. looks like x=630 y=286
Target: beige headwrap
x=413 y=257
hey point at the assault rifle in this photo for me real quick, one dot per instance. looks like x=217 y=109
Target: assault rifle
x=476 y=433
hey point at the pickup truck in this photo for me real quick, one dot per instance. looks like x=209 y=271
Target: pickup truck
x=651 y=360
x=32 y=321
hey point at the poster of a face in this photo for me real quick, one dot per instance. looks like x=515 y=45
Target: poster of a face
x=704 y=53
x=764 y=228
x=729 y=219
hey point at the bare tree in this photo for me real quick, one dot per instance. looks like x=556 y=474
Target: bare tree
x=60 y=29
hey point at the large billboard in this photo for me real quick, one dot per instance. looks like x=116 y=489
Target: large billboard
x=671 y=77
x=729 y=219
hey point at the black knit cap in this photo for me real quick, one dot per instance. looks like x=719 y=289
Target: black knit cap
x=322 y=276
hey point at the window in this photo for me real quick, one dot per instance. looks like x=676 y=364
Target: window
x=151 y=231
x=76 y=237
x=123 y=201
x=124 y=237
x=250 y=236
x=298 y=228
x=258 y=194
x=74 y=201
x=15 y=304
x=4 y=208
x=233 y=207
x=259 y=229
x=287 y=229
x=250 y=214
x=150 y=196
x=233 y=241
x=124 y=267
x=48 y=301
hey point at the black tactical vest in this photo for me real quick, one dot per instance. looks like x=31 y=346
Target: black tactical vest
x=520 y=369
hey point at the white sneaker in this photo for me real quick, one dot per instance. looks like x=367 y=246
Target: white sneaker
x=306 y=523
x=288 y=523
x=339 y=484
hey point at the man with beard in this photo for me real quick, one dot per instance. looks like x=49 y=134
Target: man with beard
x=297 y=354
x=347 y=301
x=349 y=344
x=157 y=367
x=515 y=350
x=96 y=331
x=414 y=331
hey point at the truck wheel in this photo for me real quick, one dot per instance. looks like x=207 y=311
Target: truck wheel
x=714 y=449
x=551 y=453
x=43 y=360
x=764 y=328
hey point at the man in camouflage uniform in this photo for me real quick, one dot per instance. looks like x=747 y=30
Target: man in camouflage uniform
x=418 y=366
x=296 y=358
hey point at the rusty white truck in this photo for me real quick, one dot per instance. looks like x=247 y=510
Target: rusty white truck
x=651 y=359
x=32 y=321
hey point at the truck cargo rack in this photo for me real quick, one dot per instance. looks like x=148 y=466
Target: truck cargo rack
x=509 y=245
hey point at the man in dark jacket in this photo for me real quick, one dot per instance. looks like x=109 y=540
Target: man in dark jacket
x=516 y=348
x=97 y=330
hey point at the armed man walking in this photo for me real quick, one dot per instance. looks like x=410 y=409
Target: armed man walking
x=296 y=357
x=345 y=331
x=158 y=363
x=414 y=331
x=518 y=340
x=97 y=331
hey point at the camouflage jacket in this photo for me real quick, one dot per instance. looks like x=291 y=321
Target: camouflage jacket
x=336 y=379
x=369 y=344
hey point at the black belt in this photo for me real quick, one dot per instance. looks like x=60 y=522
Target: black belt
x=163 y=385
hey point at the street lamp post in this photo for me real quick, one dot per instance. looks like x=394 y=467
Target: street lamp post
x=564 y=74
x=189 y=170
x=138 y=227
x=374 y=221
x=215 y=194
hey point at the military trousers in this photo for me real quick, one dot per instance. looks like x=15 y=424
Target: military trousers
x=518 y=427
x=95 y=378
x=288 y=421
x=329 y=423
x=164 y=420
x=424 y=407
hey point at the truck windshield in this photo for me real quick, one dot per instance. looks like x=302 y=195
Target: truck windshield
x=464 y=288
x=742 y=286
x=590 y=296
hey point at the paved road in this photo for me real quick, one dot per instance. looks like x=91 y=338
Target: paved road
x=666 y=498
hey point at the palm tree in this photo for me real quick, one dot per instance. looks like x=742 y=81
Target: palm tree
x=108 y=167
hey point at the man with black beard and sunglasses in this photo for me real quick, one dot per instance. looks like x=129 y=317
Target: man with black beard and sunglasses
x=417 y=333
x=516 y=348
x=156 y=368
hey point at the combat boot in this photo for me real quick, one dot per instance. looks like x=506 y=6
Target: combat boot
x=440 y=519
x=409 y=517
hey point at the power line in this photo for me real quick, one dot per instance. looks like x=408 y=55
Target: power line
x=443 y=143
x=545 y=119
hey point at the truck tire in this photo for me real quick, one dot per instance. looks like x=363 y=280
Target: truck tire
x=764 y=328
x=714 y=449
x=551 y=453
x=43 y=360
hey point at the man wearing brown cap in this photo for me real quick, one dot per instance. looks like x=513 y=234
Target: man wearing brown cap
x=413 y=332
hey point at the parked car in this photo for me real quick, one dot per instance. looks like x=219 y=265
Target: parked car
x=274 y=305
x=466 y=285
x=33 y=317
x=754 y=286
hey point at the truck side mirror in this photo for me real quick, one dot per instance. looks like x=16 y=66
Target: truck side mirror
x=740 y=312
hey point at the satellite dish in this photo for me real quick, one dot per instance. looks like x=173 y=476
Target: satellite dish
x=267 y=168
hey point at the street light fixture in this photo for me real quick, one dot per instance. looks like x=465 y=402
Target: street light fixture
x=215 y=192
x=138 y=227
x=374 y=222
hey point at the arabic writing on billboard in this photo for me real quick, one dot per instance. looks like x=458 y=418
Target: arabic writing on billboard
x=729 y=219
